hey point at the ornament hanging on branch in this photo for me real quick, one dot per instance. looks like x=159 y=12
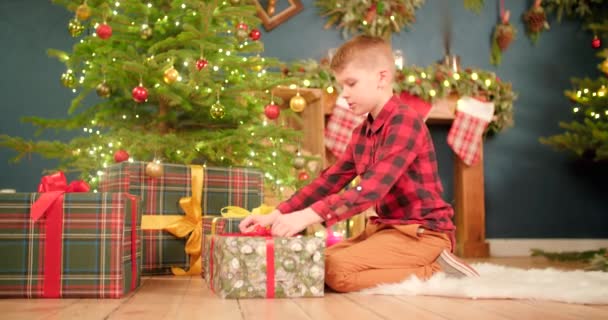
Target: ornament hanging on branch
x=83 y=12
x=145 y=32
x=535 y=20
x=241 y=31
x=121 y=156
x=504 y=33
x=154 y=169
x=75 y=28
x=596 y=43
x=217 y=110
x=140 y=93
x=255 y=34
x=103 y=90
x=298 y=161
x=170 y=75
x=272 y=111
x=297 y=103
x=67 y=79
x=303 y=175
x=104 y=31
x=201 y=63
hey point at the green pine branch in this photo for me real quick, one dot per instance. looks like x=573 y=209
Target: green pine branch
x=175 y=123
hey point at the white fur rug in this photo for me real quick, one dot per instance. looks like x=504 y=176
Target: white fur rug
x=499 y=282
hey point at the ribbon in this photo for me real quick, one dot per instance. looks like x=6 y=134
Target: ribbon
x=50 y=205
x=261 y=232
x=238 y=212
x=190 y=224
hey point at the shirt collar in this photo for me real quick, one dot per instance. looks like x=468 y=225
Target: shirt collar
x=373 y=125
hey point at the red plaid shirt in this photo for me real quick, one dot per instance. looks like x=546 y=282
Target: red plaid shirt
x=395 y=158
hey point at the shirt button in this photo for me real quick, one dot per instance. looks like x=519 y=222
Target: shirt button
x=359 y=188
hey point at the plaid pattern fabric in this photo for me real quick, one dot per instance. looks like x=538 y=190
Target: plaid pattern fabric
x=96 y=249
x=243 y=187
x=465 y=137
x=340 y=128
x=415 y=102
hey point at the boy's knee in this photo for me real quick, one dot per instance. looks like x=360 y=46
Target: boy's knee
x=337 y=275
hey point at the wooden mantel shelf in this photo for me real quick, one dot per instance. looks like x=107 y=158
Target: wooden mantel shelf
x=468 y=192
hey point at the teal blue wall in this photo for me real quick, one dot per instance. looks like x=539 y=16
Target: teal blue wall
x=531 y=190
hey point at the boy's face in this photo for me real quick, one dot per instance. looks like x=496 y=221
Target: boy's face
x=361 y=88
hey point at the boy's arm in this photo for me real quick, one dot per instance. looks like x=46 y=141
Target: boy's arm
x=400 y=148
x=330 y=181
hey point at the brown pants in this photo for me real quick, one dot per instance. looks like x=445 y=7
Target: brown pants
x=383 y=254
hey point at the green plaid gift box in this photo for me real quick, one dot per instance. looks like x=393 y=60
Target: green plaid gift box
x=95 y=260
x=266 y=267
x=243 y=187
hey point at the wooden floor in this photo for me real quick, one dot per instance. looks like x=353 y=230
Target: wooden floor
x=189 y=298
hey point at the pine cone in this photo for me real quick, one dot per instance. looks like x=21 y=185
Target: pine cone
x=504 y=36
x=535 y=19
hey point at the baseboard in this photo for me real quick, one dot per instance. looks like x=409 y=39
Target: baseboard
x=521 y=247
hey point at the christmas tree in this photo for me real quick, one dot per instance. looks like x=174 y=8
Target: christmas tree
x=587 y=136
x=178 y=81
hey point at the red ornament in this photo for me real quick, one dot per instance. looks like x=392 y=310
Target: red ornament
x=201 y=63
x=104 y=31
x=272 y=111
x=120 y=156
x=242 y=26
x=140 y=94
x=255 y=34
x=596 y=42
x=302 y=176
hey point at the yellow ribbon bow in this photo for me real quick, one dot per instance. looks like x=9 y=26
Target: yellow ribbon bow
x=238 y=212
x=191 y=223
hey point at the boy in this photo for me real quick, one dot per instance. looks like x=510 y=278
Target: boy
x=393 y=153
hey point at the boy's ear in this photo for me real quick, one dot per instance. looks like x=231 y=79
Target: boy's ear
x=383 y=77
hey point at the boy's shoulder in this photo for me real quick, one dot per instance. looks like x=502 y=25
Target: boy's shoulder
x=403 y=114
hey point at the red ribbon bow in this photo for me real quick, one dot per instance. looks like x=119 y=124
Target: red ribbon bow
x=50 y=205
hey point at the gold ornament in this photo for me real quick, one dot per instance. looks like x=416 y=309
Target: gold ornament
x=83 y=12
x=242 y=34
x=146 y=31
x=75 y=27
x=154 y=169
x=258 y=63
x=217 y=111
x=170 y=75
x=67 y=79
x=604 y=66
x=103 y=90
x=299 y=162
x=297 y=103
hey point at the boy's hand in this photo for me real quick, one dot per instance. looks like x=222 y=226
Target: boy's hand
x=287 y=225
x=249 y=223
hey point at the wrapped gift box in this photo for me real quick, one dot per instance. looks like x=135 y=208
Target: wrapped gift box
x=161 y=197
x=91 y=255
x=241 y=266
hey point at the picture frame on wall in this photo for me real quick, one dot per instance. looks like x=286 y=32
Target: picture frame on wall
x=274 y=12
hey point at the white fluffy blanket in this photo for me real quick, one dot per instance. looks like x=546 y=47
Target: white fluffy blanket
x=497 y=282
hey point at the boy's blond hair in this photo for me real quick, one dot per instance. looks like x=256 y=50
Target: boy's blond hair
x=364 y=51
